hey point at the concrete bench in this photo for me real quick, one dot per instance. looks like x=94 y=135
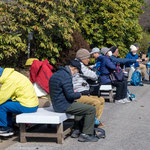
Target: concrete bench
x=43 y=116
x=106 y=91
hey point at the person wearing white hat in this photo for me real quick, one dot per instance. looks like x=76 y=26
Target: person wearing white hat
x=132 y=66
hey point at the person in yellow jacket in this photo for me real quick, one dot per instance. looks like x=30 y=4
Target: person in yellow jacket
x=17 y=95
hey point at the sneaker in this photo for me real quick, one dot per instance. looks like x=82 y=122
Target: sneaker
x=129 y=83
x=120 y=101
x=6 y=131
x=141 y=84
x=126 y=100
x=75 y=134
x=144 y=79
x=87 y=138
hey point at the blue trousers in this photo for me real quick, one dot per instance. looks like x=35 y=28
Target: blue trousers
x=10 y=107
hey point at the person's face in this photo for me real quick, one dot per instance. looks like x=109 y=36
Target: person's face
x=74 y=70
x=95 y=55
x=86 y=61
x=116 y=53
x=134 y=52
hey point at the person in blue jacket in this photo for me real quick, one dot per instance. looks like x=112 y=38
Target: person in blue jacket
x=64 y=98
x=133 y=55
x=132 y=66
x=107 y=67
x=116 y=60
x=96 y=53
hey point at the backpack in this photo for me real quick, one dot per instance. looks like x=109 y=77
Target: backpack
x=136 y=78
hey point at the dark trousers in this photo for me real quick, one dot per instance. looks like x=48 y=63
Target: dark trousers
x=121 y=89
x=83 y=112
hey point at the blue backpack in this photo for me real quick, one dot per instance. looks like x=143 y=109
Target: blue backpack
x=136 y=78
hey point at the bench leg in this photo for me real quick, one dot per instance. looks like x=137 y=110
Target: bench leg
x=60 y=138
x=111 y=96
x=22 y=131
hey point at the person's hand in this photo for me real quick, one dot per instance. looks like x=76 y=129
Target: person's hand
x=146 y=59
x=75 y=91
x=139 y=60
x=89 y=67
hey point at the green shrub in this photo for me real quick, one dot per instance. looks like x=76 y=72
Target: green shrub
x=52 y=24
x=144 y=42
x=110 y=22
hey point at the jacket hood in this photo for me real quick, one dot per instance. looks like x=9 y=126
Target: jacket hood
x=66 y=68
x=5 y=74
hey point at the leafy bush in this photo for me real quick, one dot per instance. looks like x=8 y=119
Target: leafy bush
x=110 y=22
x=144 y=42
x=51 y=22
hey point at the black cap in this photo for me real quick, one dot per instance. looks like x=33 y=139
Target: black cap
x=76 y=63
x=113 y=49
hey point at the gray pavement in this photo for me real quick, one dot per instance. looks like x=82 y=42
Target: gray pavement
x=127 y=127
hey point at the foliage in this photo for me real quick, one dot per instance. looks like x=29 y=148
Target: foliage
x=110 y=22
x=51 y=22
x=144 y=42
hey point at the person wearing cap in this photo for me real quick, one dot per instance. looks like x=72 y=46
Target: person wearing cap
x=107 y=67
x=96 y=53
x=64 y=98
x=80 y=84
x=116 y=60
x=17 y=95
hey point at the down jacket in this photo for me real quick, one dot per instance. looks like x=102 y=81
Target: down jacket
x=17 y=87
x=61 y=90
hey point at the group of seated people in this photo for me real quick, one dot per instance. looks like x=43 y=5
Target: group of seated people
x=70 y=91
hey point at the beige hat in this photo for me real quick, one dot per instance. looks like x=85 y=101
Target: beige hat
x=133 y=48
x=82 y=54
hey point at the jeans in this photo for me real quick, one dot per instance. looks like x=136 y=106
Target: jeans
x=9 y=107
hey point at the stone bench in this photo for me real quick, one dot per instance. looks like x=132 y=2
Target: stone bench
x=106 y=91
x=43 y=116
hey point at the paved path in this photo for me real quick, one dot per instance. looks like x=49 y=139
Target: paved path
x=127 y=127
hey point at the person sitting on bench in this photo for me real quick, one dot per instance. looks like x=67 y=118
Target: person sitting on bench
x=89 y=91
x=17 y=95
x=64 y=97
